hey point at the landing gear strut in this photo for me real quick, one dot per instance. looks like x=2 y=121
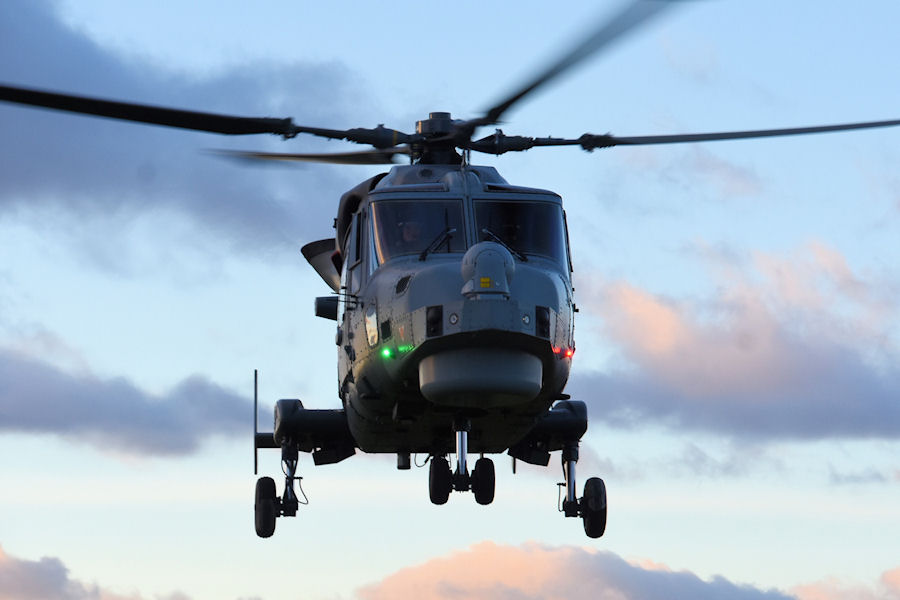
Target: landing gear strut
x=268 y=506
x=441 y=480
x=592 y=506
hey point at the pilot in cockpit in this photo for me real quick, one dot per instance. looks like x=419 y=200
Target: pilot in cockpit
x=410 y=234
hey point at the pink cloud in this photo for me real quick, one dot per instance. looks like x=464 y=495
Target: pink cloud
x=790 y=346
x=887 y=588
x=891 y=582
x=489 y=571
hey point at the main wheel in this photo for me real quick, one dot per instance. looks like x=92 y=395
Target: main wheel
x=483 y=481
x=265 y=507
x=440 y=480
x=593 y=507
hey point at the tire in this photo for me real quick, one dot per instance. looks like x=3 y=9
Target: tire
x=440 y=480
x=593 y=507
x=483 y=481
x=264 y=507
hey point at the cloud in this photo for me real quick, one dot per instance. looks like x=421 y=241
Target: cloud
x=730 y=179
x=796 y=347
x=694 y=59
x=738 y=460
x=492 y=571
x=48 y=579
x=56 y=168
x=887 y=588
x=863 y=476
x=113 y=414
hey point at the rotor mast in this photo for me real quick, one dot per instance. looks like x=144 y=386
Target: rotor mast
x=440 y=142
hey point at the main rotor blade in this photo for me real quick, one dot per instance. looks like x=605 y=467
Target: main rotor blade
x=500 y=143
x=380 y=137
x=155 y=115
x=632 y=15
x=365 y=157
x=589 y=141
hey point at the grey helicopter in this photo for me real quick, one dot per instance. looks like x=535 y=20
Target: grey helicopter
x=451 y=290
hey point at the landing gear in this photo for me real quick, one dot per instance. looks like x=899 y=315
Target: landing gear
x=592 y=505
x=265 y=508
x=268 y=506
x=483 y=481
x=441 y=480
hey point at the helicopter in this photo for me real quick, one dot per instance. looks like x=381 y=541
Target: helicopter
x=452 y=296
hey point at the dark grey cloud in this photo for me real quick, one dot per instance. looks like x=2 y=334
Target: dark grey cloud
x=836 y=395
x=68 y=169
x=114 y=414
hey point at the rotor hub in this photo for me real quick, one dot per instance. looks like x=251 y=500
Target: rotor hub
x=437 y=124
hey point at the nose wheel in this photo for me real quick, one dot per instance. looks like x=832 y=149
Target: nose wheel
x=483 y=481
x=441 y=480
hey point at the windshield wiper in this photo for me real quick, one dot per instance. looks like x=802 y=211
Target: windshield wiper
x=496 y=238
x=442 y=238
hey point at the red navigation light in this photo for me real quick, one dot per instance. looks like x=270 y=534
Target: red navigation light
x=570 y=352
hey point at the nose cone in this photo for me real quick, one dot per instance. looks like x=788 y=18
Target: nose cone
x=487 y=270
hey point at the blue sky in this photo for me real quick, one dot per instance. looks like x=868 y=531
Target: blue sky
x=738 y=339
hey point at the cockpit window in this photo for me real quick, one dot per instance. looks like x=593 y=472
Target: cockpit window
x=526 y=227
x=410 y=226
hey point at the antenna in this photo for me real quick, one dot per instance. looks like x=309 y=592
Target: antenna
x=255 y=421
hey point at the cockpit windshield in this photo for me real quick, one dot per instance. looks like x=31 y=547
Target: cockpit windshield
x=411 y=226
x=526 y=227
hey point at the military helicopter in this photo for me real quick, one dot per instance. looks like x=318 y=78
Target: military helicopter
x=452 y=295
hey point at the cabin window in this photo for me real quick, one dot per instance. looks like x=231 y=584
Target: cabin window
x=353 y=261
x=526 y=227
x=404 y=227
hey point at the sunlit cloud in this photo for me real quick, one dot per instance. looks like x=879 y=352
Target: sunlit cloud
x=887 y=588
x=492 y=571
x=789 y=347
x=113 y=414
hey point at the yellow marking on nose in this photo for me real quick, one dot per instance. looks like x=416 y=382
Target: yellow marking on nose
x=485 y=282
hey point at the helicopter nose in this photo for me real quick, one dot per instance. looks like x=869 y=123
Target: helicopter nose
x=487 y=270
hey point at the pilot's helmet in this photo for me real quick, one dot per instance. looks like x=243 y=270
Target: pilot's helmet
x=410 y=230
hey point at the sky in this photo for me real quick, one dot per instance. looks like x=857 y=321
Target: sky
x=737 y=341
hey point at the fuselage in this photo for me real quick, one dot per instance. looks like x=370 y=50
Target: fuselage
x=455 y=302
